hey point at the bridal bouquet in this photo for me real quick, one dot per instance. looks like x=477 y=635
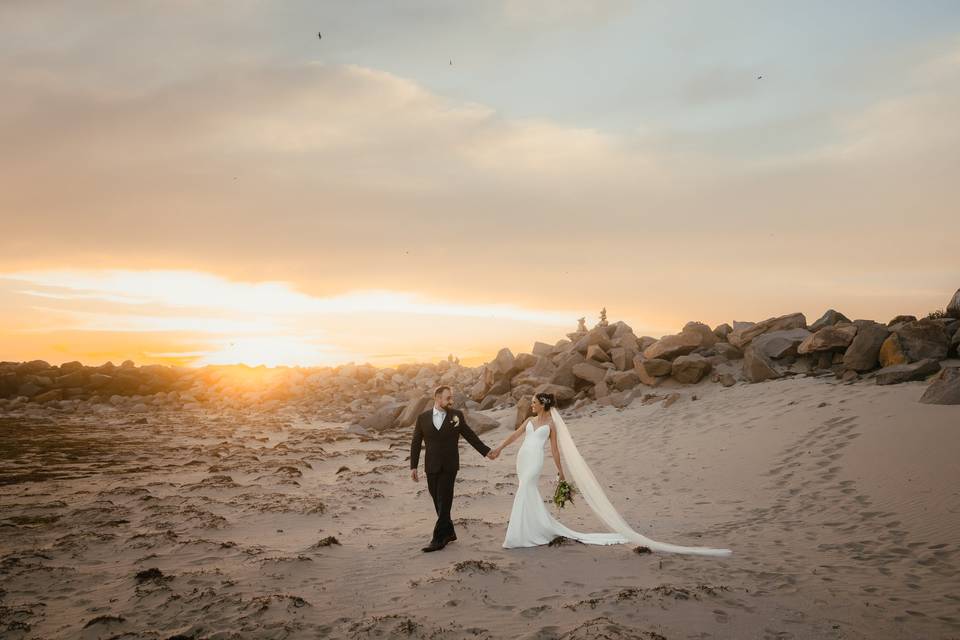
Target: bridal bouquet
x=563 y=494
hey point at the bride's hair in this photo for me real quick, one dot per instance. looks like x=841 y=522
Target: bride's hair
x=547 y=400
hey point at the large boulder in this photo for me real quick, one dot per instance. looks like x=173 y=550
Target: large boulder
x=480 y=422
x=623 y=380
x=709 y=338
x=742 y=336
x=49 y=396
x=645 y=341
x=690 y=369
x=543 y=349
x=601 y=390
x=126 y=381
x=541 y=371
x=829 y=338
x=891 y=353
x=863 y=354
x=479 y=389
x=589 y=372
x=75 y=378
x=596 y=354
x=757 y=367
x=722 y=330
x=657 y=367
x=728 y=351
x=383 y=419
x=669 y=347
x=98 y=380
x=543 y=368
x=32 y=367
x=951 y=327
x=777 y=344
x=897 y=321
x=828 y=319
x=618 y=328
x=413 y=409
x=525 y=361
x=639 y=367
x=499 y=387
x=8 y=384
x=521 y=391
x=924 y=339
x=945 y=388
x=490 y=402
x=622 y=357
x=504 y=363
x=30 y=388
x=953 y=307
x=70 y=367
x=564 y=373
x=625 y=338
x=898 y=373
x=597 y=336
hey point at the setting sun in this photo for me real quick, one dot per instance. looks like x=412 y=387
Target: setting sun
x=188 y=317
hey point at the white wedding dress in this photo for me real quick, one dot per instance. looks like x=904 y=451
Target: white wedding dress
x=530 y=521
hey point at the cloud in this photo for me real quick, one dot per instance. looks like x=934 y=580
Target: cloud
x=200 y=291
x=253 y=322
x=261 y=166
x=718 y=84
x=562 y=11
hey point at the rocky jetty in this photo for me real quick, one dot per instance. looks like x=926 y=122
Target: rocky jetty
x=608 y=365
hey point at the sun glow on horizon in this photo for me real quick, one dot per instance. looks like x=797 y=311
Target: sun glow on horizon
x=273 y=351
x=199 y=318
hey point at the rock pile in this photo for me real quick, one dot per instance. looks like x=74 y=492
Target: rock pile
x=607 y=364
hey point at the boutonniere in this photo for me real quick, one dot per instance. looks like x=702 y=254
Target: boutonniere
x=456 y=421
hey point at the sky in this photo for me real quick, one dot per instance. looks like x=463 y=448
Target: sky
x=307 y=183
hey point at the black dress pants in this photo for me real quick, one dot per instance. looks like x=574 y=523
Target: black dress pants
x=440 y=485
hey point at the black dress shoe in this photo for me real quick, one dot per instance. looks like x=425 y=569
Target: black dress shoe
x=450 y=538
x=434 y=546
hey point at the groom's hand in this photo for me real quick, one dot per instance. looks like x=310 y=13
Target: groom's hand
x=413 y=475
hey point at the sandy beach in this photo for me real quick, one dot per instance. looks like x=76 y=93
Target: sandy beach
x=253 y=254
x=840 y=501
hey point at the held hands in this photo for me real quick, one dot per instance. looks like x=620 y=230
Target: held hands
x=493 y=454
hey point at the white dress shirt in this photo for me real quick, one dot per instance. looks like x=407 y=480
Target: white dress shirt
x=438 y=416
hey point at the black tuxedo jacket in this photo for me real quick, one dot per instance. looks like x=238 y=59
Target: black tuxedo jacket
x=443 y=453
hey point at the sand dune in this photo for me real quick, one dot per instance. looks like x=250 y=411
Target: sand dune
x=841 y=503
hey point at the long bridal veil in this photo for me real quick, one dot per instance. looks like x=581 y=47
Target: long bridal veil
x=586 y=483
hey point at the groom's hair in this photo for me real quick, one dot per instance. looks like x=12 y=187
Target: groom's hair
x=439 y=390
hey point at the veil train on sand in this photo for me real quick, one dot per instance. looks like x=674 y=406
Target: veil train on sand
x=595 y=497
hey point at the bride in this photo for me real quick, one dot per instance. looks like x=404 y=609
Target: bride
x=530 y=521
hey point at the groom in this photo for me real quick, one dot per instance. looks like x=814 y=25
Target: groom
x=441 y=428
